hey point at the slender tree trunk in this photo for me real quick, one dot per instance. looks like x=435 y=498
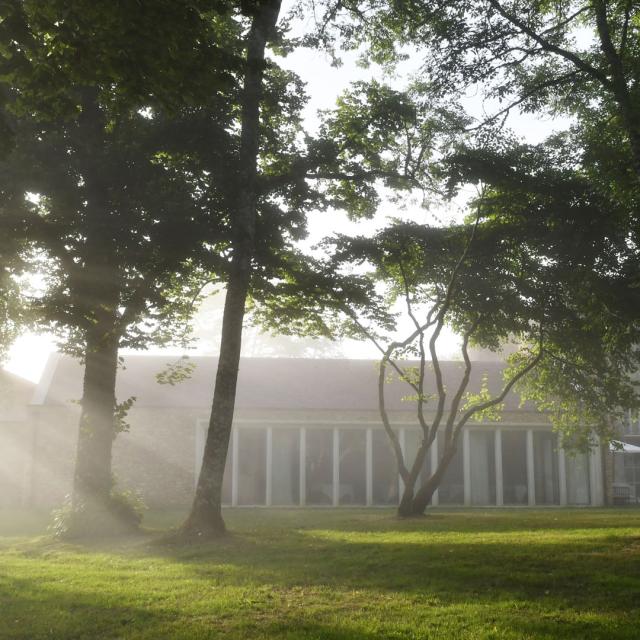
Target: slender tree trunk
x=92 y=479
x=424 y=495
x=205 y=518
x=405 y=508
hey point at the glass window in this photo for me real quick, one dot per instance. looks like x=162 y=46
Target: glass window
x=319 y=466
x=577 y=473
x=451 y=489
x=618 y=467
x=385 y=470
x=514 y=467
x=545 y=466
x=353 y=478
x=252 y=447
x=285 y=469
x=631 y=463
x=483 y=467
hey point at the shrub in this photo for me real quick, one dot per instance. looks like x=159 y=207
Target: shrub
x=122 y=515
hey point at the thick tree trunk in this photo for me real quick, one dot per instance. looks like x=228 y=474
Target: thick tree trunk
x=92 y=479
x=205 y=519
x=98 y=293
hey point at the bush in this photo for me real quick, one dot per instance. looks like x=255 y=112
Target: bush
x=122 y=515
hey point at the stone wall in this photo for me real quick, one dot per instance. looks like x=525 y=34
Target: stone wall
x=156 y=457
x=16 y=434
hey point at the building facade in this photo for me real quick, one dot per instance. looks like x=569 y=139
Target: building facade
x=306 y=433
x=625 y=463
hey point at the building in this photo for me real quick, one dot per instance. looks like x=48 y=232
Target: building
x=16 y=439
x=306 y=432
x=625 y=462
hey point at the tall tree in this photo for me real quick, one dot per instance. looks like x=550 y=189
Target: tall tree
x=206 y=517
x=112 y=222
x=376 y=137
x=578 y=59
x=552 y=263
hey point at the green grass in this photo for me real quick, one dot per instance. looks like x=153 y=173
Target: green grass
x=333 y=574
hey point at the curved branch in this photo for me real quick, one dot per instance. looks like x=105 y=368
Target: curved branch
x=440 y=318
x=505 y=391
x=464 y=383
x=397 y=449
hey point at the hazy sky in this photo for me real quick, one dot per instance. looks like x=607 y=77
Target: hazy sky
x=324 y=84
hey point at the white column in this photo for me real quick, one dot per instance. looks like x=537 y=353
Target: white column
x=531 y=479
x=498 y=460
x=234 y=468
x=433 y=451
x=269 y=466
x=466 y=466
x=562 y=474
x=369 y=462
x=336 y=467
x=403 y=448
x=303 y=466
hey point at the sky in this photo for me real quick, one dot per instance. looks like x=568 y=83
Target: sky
x=324 y=84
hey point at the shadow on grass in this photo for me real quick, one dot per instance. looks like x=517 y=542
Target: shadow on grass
x=586 y=570
x=350 y=575
x=31 y=611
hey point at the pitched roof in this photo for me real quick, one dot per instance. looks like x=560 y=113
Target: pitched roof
x=263 y=383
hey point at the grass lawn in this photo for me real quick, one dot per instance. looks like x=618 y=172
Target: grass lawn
x=333 y=574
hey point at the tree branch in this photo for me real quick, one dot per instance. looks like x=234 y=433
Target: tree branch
x=464 y=383
x=442 y=396
x=505 y=391
x=529 y=94
x=570 y=56
x=402 y=468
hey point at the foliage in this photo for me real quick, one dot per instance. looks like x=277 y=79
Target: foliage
x=585 y=233
x=120 y=415
x=176 y=372
x=479 y=278
x=492 y=413
x=98 y=199
x=90 y=133
x=11 y=313
x=76 y=520
x=577 y=58
x=575 y=198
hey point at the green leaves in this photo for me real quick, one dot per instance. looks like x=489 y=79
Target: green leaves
x=490 y=414
x=382 y=137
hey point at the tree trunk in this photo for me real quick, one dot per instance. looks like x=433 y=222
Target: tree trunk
x=98 y=294
x=405 y=508
x=92 y=479
x=618 y=83
x=205 y=519
x=424 y=495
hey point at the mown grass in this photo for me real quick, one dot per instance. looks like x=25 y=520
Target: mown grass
x=333 y=574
